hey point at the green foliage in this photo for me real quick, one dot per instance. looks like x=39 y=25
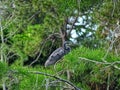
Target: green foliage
x=91 y=73
x=30 y=22
x=3 y=69
x=24 y=78
x=84 y=73
x=89 y=4
x=3 y=72
x=107 y=17
x=28 y=42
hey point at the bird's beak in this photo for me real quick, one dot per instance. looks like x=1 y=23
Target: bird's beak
x=69 y=43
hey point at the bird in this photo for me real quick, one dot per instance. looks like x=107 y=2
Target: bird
x=58 y=54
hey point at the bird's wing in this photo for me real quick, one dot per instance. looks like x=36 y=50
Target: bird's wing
x=59 y=51
x=55 y=56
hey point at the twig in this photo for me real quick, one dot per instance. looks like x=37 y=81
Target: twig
x=10 y=19
x=76 y=18
x=51 y=46
x=47 y=84
x=114 y=38
x=115 y=66
x=2 y=41
x=94 y=61
x=36 y=83
x=105 y=63
x=43 y=44
x=34 y=15
x=110 y=47
x=4 y=87
x=11 y=56
x=114 y=2
x=108 y=81
x=56 y=81
x=58 y=78
x=72 y=26
x=10 y=36
x=62 y=34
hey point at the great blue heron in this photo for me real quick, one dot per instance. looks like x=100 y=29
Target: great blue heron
x=57 y=54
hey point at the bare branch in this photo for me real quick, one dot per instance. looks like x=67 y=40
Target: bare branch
x=108 y=81
x=4 y=86
x=105 y=63
x=34 y=15
x=43 y=44
x=58 y=78
x=76 y=18
x=114 y=3
x=2 y=41
x=72 y=26
x=53 y=76
x=62 y=34
x=93 y=61
x=41 y=49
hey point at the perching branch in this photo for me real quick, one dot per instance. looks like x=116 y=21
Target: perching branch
x=58 y=78
x=105 y=63
x=93 y=61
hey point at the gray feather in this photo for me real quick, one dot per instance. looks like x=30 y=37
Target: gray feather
x=57 y=55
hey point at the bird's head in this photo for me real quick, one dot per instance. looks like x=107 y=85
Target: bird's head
x=66 y=47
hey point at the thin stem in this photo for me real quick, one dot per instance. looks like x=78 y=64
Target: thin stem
x=108 y=81
x=2 y=40
x=105 y=63
x=3 y=85
x=58 y=78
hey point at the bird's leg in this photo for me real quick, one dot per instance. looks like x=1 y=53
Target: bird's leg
x=55 y=66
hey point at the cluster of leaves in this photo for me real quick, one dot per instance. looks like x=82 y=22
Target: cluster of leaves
x=25 y=24
x=93 y=75
x=107 y=17
x=31 y=22
x=84 y=73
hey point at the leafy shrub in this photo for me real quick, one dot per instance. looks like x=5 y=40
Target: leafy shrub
x=87 y=74
x=94 y=74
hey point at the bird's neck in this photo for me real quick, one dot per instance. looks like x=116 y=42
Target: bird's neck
x=65 y=46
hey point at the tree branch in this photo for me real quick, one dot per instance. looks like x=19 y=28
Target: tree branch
x=105 y=63
x=34 y=15
x=58 y=78
x=4 y=86
x=2 y=41
x=76 y=18
x=43 y=44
